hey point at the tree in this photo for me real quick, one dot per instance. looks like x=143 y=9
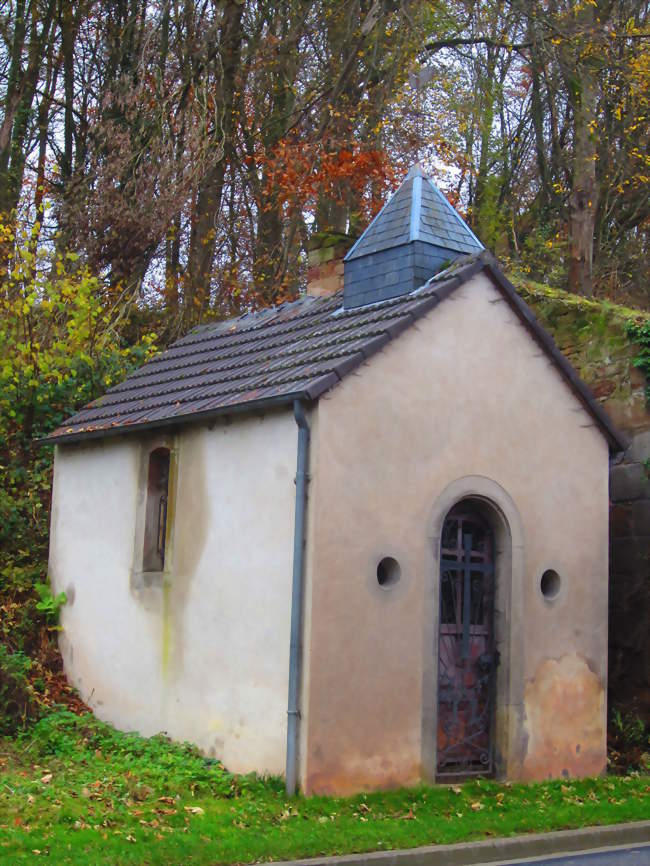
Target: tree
x=28 y=37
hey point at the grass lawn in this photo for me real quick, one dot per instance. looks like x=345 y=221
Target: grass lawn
x=74 y=791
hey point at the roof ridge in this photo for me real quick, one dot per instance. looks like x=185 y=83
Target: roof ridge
x=322 y=302
x=416 y=207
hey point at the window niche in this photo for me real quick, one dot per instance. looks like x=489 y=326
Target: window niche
x=388 y=572
x=156 y=510
x=550 y=584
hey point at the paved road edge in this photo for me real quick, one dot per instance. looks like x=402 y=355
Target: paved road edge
x=495 y=850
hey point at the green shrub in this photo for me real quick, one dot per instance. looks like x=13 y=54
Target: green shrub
x=49 y=604
x=154 y=761
x=629 y=741
x=640 y=333
x=17 y=699
x=62 y=343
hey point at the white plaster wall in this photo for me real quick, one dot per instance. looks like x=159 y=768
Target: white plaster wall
x=202 y=654
x=464 y=392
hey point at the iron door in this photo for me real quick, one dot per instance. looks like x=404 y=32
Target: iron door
x=466 y=657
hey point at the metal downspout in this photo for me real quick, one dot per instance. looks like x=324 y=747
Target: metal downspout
x=293 y=712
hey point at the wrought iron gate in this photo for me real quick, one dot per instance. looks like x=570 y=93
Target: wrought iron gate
x=466 y=656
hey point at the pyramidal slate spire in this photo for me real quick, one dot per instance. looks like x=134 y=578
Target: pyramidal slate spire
x=411 y=238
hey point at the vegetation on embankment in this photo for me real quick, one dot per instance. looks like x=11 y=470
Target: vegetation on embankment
x=607 y=344
x=63 y=342
x=75 y=791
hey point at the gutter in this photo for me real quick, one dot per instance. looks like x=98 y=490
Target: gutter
x=293 y=710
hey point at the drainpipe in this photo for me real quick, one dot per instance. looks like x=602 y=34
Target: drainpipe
x=293 y=712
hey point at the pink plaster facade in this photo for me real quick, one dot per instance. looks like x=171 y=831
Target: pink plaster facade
x=463 y=404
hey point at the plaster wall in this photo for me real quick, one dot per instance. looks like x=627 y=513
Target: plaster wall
x=201 y=651
x=463 y=398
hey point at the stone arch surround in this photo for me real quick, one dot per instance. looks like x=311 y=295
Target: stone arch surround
x=502 y=513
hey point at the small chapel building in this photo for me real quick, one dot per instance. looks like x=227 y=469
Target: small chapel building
x=360 y=539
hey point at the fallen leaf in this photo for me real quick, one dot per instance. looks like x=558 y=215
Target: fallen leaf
x=46 y=779
x=476 y=807
x=195 y=810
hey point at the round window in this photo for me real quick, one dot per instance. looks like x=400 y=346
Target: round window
x=388 y=572
x=550 y=584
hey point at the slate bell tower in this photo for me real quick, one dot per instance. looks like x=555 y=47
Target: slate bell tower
x=412 y=237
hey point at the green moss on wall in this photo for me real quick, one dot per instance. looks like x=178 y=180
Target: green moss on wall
x=598 y=338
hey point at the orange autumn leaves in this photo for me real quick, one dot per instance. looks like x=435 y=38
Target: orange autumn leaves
x=302 y=173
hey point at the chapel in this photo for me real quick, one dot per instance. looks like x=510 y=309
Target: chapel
x=359 y=539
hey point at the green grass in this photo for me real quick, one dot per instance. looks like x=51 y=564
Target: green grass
x=75 y=791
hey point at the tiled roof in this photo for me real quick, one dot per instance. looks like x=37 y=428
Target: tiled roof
x=295 y=351
x=418 y=211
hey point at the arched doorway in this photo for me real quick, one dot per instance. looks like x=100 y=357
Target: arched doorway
x=467 y=657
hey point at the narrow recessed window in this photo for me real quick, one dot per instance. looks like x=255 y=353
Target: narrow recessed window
x=155 y=529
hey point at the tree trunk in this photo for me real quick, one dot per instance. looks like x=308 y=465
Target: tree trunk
x=19 y=97
x=584 y=193
x=480 y=216
x=580 y=75
x=208 y=198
